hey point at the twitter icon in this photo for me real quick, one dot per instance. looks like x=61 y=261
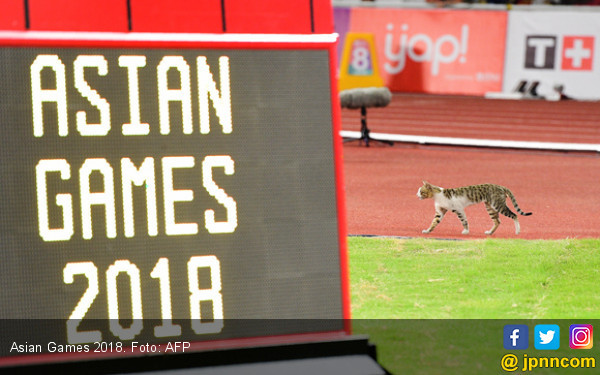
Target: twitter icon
x=547 y=336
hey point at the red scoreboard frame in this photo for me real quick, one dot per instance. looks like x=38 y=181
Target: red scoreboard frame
x=296 y=43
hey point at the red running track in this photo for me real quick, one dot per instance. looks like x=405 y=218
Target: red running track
x=475 y=117
x=561 y=189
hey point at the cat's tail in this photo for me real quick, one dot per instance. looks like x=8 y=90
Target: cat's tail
x=514 y=201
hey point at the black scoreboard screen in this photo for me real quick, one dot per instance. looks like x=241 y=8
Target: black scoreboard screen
x=167 y=190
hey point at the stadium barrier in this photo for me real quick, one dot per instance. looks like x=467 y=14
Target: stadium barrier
x=479 y=51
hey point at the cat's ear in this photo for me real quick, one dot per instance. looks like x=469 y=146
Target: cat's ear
x=425 y=183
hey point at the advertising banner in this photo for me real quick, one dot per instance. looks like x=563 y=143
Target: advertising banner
x=359 y=62
x=554 y=49
x=436 y=51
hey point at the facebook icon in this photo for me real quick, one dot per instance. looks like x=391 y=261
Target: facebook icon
x=516 y=336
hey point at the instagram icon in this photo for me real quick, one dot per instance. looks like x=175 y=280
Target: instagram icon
x=581 y=336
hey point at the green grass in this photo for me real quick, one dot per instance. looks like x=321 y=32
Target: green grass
x=488 y=279
x=487 y=282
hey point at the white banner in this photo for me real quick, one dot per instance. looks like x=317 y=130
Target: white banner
x=554 y=48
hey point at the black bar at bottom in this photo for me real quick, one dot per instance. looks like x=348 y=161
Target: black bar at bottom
x=350 y=355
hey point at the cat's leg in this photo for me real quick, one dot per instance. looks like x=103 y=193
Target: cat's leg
x=495 y=217
x=504 y=210
x=439 y=215
x=463 y=219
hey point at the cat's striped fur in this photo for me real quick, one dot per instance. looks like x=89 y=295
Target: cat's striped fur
x=455 y=200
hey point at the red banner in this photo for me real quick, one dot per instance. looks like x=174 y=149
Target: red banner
x=437 y=51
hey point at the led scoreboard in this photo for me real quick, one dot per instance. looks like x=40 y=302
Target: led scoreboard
x=162 y=188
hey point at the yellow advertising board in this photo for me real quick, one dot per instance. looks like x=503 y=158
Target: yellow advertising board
x=359 y=62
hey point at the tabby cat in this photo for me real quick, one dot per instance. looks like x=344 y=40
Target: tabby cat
x=455 y=200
